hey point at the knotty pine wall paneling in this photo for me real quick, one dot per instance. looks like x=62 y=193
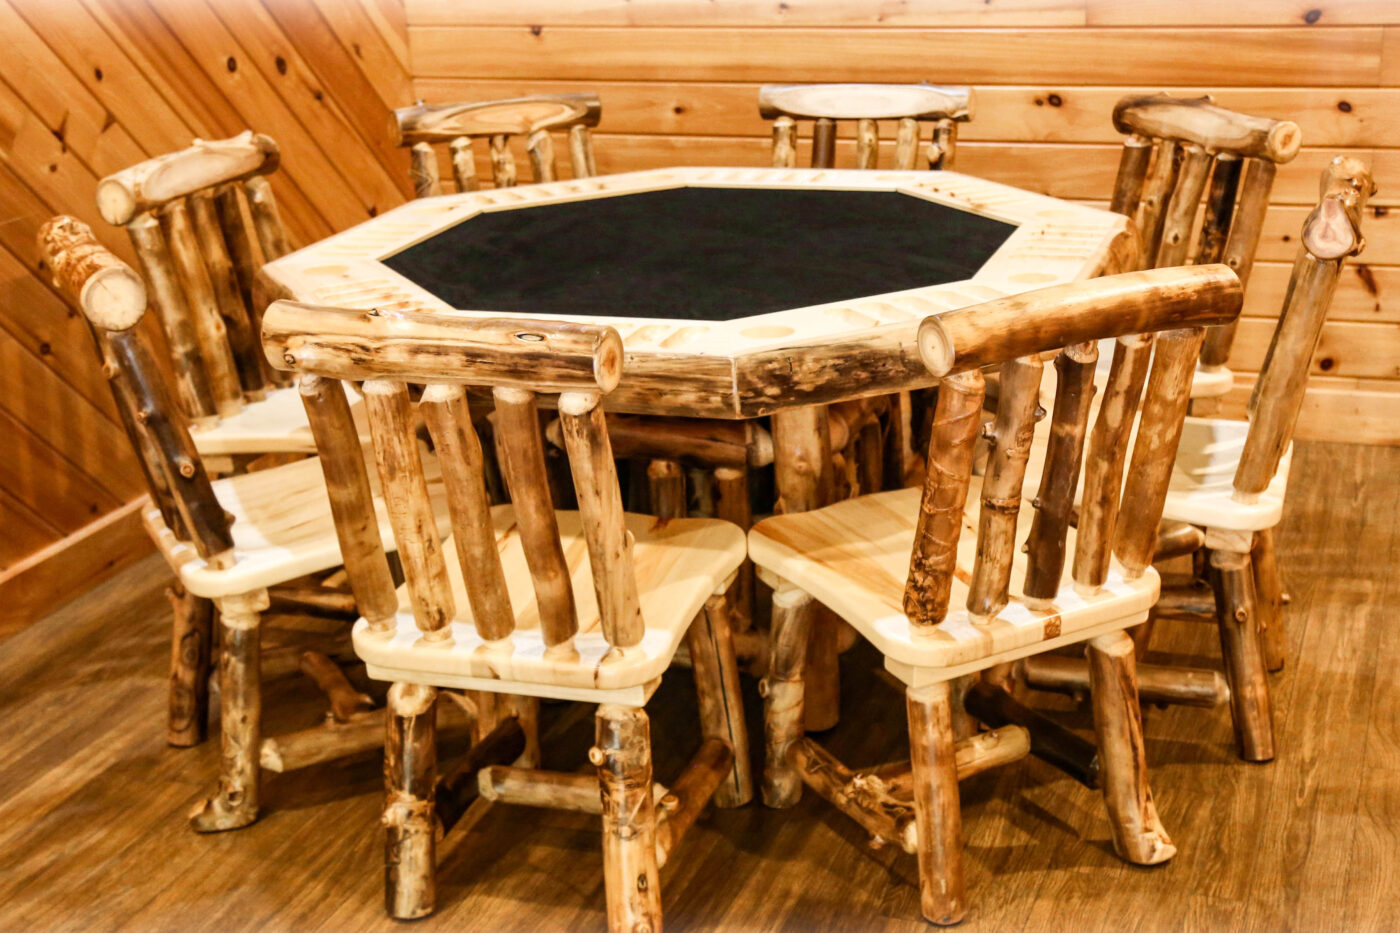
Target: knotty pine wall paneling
x=88 y=87
x=679 y=82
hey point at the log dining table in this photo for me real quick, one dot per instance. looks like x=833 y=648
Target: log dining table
x=739 y=293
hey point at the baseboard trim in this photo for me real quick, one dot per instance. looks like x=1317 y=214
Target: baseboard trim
x=68 y=568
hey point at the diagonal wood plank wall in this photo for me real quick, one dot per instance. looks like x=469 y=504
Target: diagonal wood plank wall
x=679 y=80
x=88 y=87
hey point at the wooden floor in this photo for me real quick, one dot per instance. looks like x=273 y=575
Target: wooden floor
x=92 y=835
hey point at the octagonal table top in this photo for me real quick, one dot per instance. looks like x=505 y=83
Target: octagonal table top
x=736 y=291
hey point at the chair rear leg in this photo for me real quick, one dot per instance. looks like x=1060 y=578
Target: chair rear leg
x=782 y=689
x=410 y=778
x=235 y=803
x=622 y=754
x=187 y=719
x=1268 y=594
x=721 y=705
x=937 y=808
x=1236 y=615
x=1138 y=835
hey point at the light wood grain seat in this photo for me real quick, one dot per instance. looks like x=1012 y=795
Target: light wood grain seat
x=280 y=526
x=1177 y=150
x=894 y=565
x=231 y=542
x=185 y=213
x=1202 y=489
x=458 y=124
x=524 y=601
x=853 y=557
x=679 y=564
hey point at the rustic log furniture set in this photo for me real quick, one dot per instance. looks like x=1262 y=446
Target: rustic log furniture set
x=427 y=341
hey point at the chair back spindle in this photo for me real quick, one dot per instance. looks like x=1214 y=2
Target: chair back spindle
x=184 y=215
x=957 y=418
x=1009 y=443
x=825 y=104
x=1054 y=502
x=461 y=459
x=405 y=489
x=1164 y=404
x=457 y=124
x=351 y=499
x=521 y=443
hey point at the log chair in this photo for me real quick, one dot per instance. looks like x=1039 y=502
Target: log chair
x=457 y=124
x=509 y=605
x=811 y=559
x=202 y=221
x=1226 y=491
x=230 y=541
x=1176 y=150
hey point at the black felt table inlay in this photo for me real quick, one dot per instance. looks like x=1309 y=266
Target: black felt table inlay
x=709 y=254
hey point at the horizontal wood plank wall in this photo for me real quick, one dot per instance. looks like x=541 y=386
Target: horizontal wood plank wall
x=679 y=81
x=88 y=87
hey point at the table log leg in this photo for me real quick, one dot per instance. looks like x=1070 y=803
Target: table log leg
x=805 y=480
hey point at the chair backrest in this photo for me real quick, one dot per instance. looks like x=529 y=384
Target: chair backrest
x=824 y=104
x=1130 y=307
x=1331 y=234
x=183 y=213
x=113 y=299
x=1175 y=146
x=422 y=125
x=516 y=360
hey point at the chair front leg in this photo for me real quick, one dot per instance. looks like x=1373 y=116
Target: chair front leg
x=410 y=778
x=721 y=705
x=1138 y=835
x=1232 y=579
x=937 y=807
x=235 y=803
x=622 y=754
x=782 y=689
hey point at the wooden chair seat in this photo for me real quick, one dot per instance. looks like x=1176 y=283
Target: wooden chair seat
x=853 y=557
x=1202 y=489
x=275 y=424
x=680 y=563
x=281 y=525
